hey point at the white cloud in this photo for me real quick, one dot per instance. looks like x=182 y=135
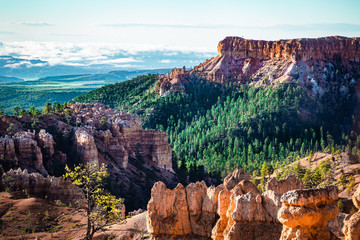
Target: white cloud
x=36 y=24
x=25 y=63
x=165 y=61
x=115 y=61
x=88 y=54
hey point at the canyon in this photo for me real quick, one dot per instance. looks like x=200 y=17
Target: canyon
x=34 y=151
x=85 y=133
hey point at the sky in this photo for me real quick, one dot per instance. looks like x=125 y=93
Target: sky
x=38 y=27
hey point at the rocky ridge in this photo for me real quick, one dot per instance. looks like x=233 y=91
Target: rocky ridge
x=314 y=63
x=90 y=133
x=49 y=188
x=241 y=211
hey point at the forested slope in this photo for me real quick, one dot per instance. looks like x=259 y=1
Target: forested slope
x=222 y=127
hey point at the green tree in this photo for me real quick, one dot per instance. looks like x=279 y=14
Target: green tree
x=48 y=108
x=263 y=172
x=16 y=110
x=101 y=207
x=307 y=179
x=1 y=111
x=23 y=112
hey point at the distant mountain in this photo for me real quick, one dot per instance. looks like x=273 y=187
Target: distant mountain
x=104 y=78
x=10 y=79
x=26 y=94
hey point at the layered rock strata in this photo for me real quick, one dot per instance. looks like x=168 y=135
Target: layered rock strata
x=22 y=150
x=312 y=62
x=90 y=133
x=306 y=213
x=121 y=134
x=236 y=211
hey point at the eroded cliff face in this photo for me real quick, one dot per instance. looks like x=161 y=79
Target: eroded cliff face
x=313 y=63
x=90 y=133
x=241 y=211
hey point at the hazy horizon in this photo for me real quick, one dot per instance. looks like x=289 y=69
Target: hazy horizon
x=157 y=34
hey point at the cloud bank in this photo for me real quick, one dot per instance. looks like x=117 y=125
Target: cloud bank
x=39 y=54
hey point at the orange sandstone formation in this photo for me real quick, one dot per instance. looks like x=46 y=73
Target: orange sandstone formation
x=235 y=210
x=305 y=213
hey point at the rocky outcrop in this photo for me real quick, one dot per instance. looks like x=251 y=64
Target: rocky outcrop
x=168 y=211
x=306 y=213
x=90 y=133
x=284 y=185
x=7 y=151
x=120 y=134
x=244 y=216
x=351 y=227
x=238 y=211
x=235 y=177
x=49 y=188
x=29 y=151
x=312 y=62
x=85 y=147
x=46 y=142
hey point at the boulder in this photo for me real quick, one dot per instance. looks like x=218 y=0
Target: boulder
x=7 y=151
x=254 y=231
x=202 y=203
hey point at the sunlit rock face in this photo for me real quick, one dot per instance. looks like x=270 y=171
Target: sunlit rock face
x=306 y=213
x=313 y=63
x=233 y=210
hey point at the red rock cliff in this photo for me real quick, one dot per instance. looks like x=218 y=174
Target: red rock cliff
x=295 y=49
x=313 y=63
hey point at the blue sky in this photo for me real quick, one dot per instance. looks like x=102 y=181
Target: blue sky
x=196 y=25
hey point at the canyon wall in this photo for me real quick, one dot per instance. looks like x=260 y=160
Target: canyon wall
x=90 y=133
x=313 y=63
